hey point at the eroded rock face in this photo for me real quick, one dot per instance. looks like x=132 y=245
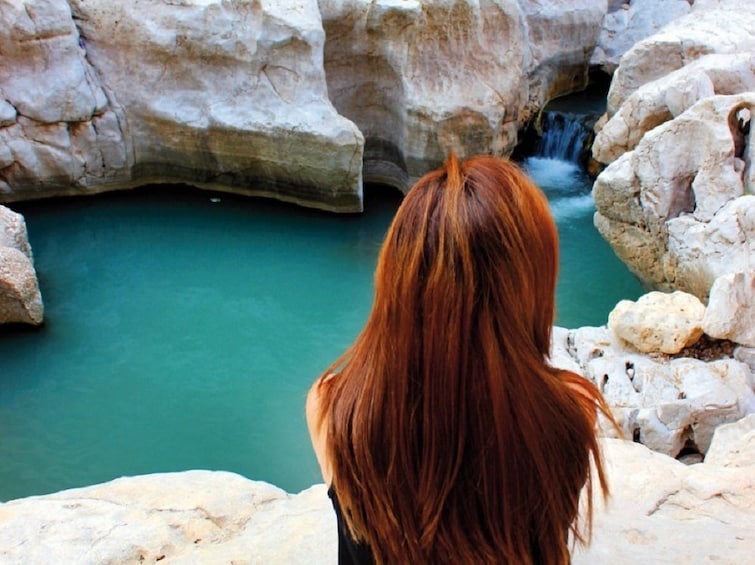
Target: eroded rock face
x=662 y=402
x=221 y=95
x=422 y=79
x=710 y=27
x=20 y=299
x=629 y=22
x=676 y=208
x=660 y=511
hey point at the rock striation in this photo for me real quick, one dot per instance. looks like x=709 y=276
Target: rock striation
x=421 y=79
x=221 y=95
x=20 y=299
x=660 y=511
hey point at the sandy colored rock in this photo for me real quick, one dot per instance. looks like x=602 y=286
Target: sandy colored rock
x=20 y=300
x=731 y=308
x=659 y=322
x=221 y=95
x=733 y=444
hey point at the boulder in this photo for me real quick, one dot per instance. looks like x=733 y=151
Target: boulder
x=421 y=79
x=669 y=404
x=676 y=208
x=731 y=308
x=660 y=511
x=20 y=299
x=710 y=27
x=665 y=98
x=659 y=322
x=626 y=23
x=733 y=445
x=221 y=95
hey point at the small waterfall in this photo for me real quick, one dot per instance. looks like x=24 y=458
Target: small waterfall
x=564 y=137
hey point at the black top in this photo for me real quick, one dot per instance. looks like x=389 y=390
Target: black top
x=350 y=551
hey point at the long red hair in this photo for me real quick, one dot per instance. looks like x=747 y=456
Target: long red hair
x=450 y=437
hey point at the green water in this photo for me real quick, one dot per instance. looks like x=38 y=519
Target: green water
x=183 y=333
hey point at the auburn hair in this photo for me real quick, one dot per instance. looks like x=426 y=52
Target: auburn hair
x=449 y=436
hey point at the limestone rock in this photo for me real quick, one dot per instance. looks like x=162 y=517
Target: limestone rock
x=20 y=299
x=733 y=444
x=659 y=322
x=664 y=403
x=708 y=28
x=731 y=308
x=221 y=95
x=675 y=208
x=667 y=97
x=660 y=511
x=629 y=23
x=423 y=78
x=190 y=517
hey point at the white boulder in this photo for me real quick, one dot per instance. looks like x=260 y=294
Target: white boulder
x=731 y=308
x=659 y=322
x=668 y=404
x=629 y=23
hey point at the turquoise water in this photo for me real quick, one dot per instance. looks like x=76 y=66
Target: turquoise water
x=183 y=333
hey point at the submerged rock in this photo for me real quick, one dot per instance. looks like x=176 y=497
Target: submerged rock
x=20 y=299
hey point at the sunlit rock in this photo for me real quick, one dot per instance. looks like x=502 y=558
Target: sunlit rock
x=421 y=79
x=676 y=208
x=710 y=27
x=663 y=99
x=666 y=403
x=222 y=95
x=731 y=308
x=20 y=299
x=658 y=322
x=629 y=22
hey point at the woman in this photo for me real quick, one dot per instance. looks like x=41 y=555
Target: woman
x=444 y=434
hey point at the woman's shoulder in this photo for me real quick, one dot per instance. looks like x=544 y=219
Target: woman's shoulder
x=317 y=424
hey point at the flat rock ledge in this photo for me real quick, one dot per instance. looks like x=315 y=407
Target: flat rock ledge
x=661 y=511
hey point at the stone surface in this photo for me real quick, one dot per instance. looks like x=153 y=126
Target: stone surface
x=667 y=97
x=20 y=299
x=659 y=322
x=660 y=511
x=221 y=95
x=629 y=22
x=710 y=27
x=733 y=444
x=666 y=403
x=676 y=208
x=731 y=308
x=423 y=78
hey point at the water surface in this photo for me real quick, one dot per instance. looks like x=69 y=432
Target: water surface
x=183 y=332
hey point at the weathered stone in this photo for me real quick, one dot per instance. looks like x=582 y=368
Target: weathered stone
x=659 y=322
x=674 y=209
x=667 y=97
x=707 y=29
x=666 y=404
x=7 y=115
x=627 y=23
x=731 y=308
x=221 y=95
x=20 y=300
x=13 y=231
x=421 y=79
x=733 y=444
x=660 y=511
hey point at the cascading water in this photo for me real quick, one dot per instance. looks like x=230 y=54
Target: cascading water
x=564 y=136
